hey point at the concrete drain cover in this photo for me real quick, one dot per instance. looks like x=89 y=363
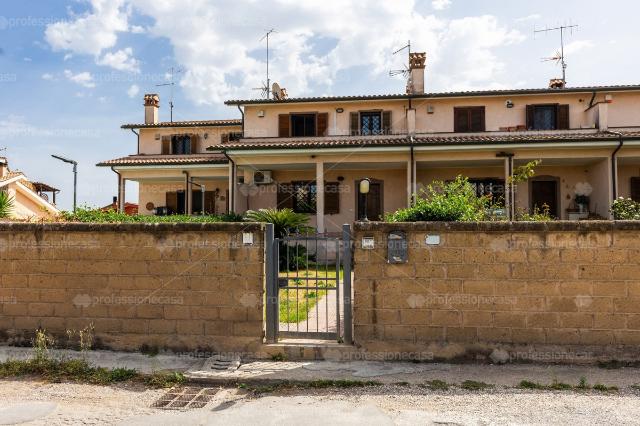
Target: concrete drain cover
x=187 y=398
x=222 y=363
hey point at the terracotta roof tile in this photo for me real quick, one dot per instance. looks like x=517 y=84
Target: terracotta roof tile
x=201 y=123
x=425 y=139
x=150 y=160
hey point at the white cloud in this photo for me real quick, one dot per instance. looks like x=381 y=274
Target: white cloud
x=532 y=17
x=121 y=60
x=576 y=46
x=217 y=42
x=84 y=79
x=133 y=91
x=47 y=76
x=440 y=4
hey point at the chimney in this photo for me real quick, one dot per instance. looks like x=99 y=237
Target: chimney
x=151 y=105
x=415 y=85
x=4 y=167
x=556 y=83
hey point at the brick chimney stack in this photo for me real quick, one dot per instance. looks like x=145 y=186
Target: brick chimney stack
x=415 y=85
x=151 y=105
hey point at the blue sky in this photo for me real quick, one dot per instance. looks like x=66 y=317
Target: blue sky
x=71 y=72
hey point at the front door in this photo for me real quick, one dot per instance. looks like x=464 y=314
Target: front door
x=545 y=192
x=371 y=201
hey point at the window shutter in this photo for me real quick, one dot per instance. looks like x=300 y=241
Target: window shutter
x=477 y=119
x=172 y=202
x=193 y=146
x=331 y=198
x=166 y=145
x=460 y=120
x=635 y=189
x=323 y=122
x=224 y=138
x=563 y=117
x=285 y=196
x=283 y=125
x=210 y=202
x=529 y=117
x=386 y=122
x=354 y=125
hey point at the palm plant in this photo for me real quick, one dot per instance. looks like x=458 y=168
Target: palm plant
x=6 y=204
x=285 y=221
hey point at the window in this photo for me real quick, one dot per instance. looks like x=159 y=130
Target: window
x=304 y=197
x=178 y=144
x=370 y=123
x=489 y=186
x=468 y=119
x=301 y=196
x=303 y=125
x=635 y=189
x=548 y=117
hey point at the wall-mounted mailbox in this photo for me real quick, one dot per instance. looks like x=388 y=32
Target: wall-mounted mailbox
x=397 y=247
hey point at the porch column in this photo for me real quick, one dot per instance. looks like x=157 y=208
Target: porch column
x=507 y=189
x=122 y=185
x=232 y=188
x=187 y=193
x=409 y=183
x=320 y=196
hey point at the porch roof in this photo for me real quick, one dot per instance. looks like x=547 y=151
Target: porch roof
x=155 y=160
x=445 y=139
x=199 y=123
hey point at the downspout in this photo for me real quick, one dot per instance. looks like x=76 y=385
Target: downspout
x=119 y=189
x=614 y=163
x=241 y=112
x=412 y=171
x=138 y=136
x=187 y=192
x=232 y=191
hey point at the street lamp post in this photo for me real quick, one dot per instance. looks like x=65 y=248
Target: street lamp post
x=364 y=190
x=75 y=177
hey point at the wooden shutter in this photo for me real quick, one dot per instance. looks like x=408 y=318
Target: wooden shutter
x=210 y=202
x=476 y=120
x=285 y=196
x=331 y=198
x=460 y=120
x=563 y=117
x=386 y=122
x=166 y=145
x=172 y=202
x=354 y=124
x=193 y=146
x=224 y=138
x=283 y=125
x=635 y=189
x=323 y=123
x=529 y=117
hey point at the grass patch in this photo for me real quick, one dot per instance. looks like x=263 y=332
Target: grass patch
x=636 y=386
x=314 y=384
x=604 y=388
x=556 y=385
x=279 y=357
x=436 y=385
x=582 y=385
x=164 y=379
x=473 y=385
x=297 y=301
x=526 y=384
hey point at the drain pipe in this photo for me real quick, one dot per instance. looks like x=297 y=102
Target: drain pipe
x=138 y=136
x=614 y=163
x=412 y=172
x=241 y=112
x=232 y=191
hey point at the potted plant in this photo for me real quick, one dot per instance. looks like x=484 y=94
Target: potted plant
x=582 y=191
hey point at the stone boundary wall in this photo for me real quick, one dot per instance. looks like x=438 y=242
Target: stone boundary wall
x=557 y=291
x=168 y=286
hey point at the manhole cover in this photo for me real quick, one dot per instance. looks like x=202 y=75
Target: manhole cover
x=187 y=398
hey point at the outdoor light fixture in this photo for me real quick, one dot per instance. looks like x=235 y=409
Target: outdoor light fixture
x=75 y=177
x=364 y=190
x=339 y=110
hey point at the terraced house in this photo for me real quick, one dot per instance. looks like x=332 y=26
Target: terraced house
x=586 y=137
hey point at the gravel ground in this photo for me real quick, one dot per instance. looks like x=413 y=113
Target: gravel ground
x=392 y=404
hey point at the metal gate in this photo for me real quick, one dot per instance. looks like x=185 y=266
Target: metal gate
x=308 y=287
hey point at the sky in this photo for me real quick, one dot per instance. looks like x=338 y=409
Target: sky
x=72 y=72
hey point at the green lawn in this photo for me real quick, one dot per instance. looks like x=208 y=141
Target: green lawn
x=295 y=305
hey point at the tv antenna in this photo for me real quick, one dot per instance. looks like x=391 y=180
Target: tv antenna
x=172 y=74
x=405 y=70
x=266 y=87
x=559 y=56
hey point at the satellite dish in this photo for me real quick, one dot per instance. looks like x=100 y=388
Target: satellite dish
x=276 y=91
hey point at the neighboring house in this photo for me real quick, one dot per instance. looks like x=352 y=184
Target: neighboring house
x=403 y=142
x=30 y=199
x=172 y=160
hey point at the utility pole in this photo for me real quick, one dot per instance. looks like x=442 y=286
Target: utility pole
x=75 y=177
x=172 y=73
x=268 y=86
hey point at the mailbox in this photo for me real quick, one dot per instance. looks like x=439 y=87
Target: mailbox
x=397 y=247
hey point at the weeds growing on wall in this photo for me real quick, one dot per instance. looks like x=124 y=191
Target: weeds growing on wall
x=89 y=215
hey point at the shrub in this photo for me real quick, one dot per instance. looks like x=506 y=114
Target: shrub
x=89 y=215
x=450 y=201
x=285 y=221
x=625 y=209
x=538 y=215
x=6 y=204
